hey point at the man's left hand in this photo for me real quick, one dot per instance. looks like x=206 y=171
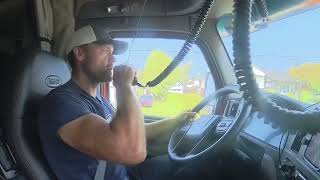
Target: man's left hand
x=184 y=117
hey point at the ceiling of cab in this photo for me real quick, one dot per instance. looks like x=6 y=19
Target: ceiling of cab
x=90 y=9
x=87 y=9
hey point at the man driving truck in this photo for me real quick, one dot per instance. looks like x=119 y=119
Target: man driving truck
x=78 y=127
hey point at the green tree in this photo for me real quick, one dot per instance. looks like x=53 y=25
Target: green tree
x=308 y=73
x=156 y=63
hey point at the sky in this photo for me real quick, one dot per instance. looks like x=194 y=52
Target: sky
x=286 y=43
x=142 y=47
x=282 y=45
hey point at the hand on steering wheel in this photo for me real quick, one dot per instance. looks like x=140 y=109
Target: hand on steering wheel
x=207 y=135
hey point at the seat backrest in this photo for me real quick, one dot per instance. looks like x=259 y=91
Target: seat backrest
x=29 y=79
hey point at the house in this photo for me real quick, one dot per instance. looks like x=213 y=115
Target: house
x=281 y=83
x=193 y=84
x=284 y=84
x=260 y=76
x=177 y=88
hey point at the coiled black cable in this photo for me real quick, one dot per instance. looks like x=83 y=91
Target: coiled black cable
x=306 y=121
x=262 y=8
x=204 y=12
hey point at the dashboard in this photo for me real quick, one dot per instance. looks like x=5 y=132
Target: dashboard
x=259 y=128
x=296 y=155
x=312 y=153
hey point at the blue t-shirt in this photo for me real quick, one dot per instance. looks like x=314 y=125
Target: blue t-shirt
x=62 y=105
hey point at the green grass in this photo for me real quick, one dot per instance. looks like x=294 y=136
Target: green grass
x=178 y=103
x=306 y=95
x=173 y=105
x=309 y=96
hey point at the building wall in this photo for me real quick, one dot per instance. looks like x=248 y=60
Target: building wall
x=261 y=81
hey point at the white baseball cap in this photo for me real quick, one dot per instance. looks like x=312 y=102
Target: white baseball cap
x=90 y=34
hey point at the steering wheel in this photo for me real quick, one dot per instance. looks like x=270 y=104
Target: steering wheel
x=207 y=135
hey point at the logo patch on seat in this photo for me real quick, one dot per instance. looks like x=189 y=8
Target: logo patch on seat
x=53 y=81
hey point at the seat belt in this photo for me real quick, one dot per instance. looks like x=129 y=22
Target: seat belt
x=101 y=170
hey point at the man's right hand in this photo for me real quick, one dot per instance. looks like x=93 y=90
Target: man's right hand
x=123 y=75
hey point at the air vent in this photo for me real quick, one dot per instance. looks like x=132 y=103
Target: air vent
x=296 y=145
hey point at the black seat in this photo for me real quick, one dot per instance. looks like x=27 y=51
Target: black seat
x=30 y=78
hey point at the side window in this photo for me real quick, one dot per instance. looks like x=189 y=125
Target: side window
x=185 y=87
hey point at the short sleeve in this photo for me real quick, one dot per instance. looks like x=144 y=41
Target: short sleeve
x=57 y=111
x=109 y=109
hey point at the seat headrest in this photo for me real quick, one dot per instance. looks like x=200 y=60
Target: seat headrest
x=37 y=74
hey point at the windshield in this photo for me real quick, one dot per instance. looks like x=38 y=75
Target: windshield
x=286 y=55
x=184 y=88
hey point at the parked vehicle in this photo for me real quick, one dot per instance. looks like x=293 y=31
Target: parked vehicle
x=146 y=100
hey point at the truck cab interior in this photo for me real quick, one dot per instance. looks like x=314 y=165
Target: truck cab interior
x=249 y=68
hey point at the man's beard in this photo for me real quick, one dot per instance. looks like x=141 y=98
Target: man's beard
x=109 y=76
x=101 y=76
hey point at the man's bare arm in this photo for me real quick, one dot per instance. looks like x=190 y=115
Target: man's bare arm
x=121 y=141
x=167 y=125
x=158 y=133
x=161 y=127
